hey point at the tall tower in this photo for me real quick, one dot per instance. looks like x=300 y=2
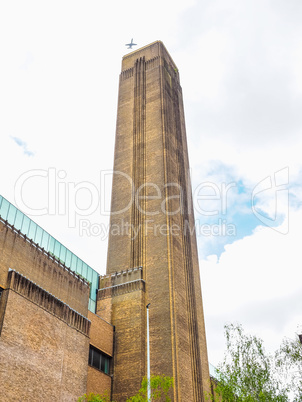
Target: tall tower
x=152 y=251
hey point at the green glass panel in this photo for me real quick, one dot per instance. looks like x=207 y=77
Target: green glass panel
x=4 y=209
x=89 y=279
x=38 y=236
x=63 y=254
x=45 y=240
x=68 y=258
x=32 y=230
x=12 y=212
x=84 y=269
x=89 y=274
x=19 y=220
x=57 y=249
x=73 y=264
x=94 y=284
x=25 y=225
x=91 y=305
x=79 y=266
x=51 y=244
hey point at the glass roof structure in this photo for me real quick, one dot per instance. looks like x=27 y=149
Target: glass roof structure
x=16 y=218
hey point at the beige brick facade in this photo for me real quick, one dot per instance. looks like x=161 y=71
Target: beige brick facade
x=45 y=326
x=43 y=356
x=101 y=337
x=21 y=254
x=126 y=293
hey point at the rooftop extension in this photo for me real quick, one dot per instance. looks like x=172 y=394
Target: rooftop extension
x=11 y=215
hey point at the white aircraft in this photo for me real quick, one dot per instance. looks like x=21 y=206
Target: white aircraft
x=130 y=44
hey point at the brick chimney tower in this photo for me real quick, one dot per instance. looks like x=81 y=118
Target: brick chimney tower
x=152 y=251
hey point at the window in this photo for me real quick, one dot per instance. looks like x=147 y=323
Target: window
x=98 y=360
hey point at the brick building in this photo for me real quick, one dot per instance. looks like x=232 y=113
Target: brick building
x=49 y=331
x=66 y=330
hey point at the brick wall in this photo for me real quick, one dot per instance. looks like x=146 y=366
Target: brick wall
x=101 y=337
x=19 y=253
x=44 y=330
x=43 y=356
x=101 y=334
x=126 y=292
x=98 y=382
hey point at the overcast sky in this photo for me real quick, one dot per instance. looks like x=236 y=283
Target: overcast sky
x=240 y=65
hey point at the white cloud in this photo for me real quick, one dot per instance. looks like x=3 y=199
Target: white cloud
x=252 y=275
x=23 y=145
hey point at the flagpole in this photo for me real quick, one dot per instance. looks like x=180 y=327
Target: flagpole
x=148 y=358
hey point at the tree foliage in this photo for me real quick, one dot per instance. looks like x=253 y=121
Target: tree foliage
x=247 y=373
x=160 y=387
x=289 y=360
x=92 y=397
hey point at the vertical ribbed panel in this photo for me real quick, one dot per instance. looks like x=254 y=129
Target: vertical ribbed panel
x=188 y=259
x=173 y=142
x=139 y=164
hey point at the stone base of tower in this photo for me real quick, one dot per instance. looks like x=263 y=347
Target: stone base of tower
x=121 y=299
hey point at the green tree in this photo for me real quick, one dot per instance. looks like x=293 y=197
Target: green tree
x=91 y=397
x=247 y=373
x=289 y=360
x=160 y=387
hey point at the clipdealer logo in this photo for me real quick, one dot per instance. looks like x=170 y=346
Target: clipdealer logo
x=79 y=201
